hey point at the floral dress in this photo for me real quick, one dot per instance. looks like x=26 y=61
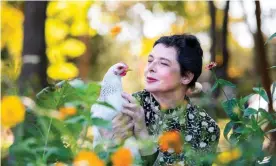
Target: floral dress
x=198 y=130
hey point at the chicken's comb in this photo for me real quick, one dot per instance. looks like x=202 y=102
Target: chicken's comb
x=123 y=63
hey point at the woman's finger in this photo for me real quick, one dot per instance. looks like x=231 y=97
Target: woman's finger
x=128 y=97
x=130 y=106
x=117 y=117
x=129 y=113
x=128 y=131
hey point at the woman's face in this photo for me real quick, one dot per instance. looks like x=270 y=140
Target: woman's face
x=162 y=72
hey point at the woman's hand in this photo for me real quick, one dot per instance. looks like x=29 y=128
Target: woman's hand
x=122 y=127
x=134 y=110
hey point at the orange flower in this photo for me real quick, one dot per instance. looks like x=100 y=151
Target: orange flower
x=64 y=112
x=211 y=66
x=170 y=140
x=122 y=157
x=115 y=30
x=87 y=158
x=68 y=111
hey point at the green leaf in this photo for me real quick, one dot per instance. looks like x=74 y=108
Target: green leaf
x=272 y=67
x=227 y=129
x=242 y=130
x=106 y=104
x=270 y=38
x=215 y=86
x=76 y=119
x=249 y=111
x=101 y=123
x=245 y=99
x=228 y=107
x=273 y=89
x=267 y=115
x=261 y=92
x=226 y=83
x=53 y=97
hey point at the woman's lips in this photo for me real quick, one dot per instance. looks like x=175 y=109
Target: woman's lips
x=151 y=80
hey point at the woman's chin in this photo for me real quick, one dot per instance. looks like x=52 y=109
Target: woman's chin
x=151 y=88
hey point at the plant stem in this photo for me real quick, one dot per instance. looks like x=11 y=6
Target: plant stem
x=84 y=135
x=216 y=78
x=224 y=94
x=46 y=142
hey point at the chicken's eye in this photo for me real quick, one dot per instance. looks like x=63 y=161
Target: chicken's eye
x=120 y=68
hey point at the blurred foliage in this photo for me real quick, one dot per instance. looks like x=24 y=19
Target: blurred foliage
x=59 y=130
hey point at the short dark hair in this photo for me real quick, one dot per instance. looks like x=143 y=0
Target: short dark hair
x=189 y=53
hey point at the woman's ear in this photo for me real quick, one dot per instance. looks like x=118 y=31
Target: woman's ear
x=187 y=78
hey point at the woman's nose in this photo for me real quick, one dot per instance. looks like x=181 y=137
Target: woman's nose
x=152 y=67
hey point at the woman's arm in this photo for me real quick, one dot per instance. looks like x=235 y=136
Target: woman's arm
x=135 y=110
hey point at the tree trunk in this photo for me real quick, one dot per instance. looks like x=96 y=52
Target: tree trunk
x=84 y=61
x=34 y=60
x=262 y=56
x=212 y=10
x=225 y=52
x=262 y=69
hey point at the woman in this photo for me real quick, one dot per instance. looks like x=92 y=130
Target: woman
x=174 y=65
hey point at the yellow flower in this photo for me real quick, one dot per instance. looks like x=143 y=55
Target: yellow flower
x=62 y=71
x=79 y=28
x=147 y=45
x=228 y=156
x=224 y=157
x=236 y=154
x=60 y=164
x=54 y=7
x=122 y=157
x=11 y=39
x=170 y=140
x=73 y=48
x=55 y=31
x=12 y=111
x=55 y=54
x=87 y=158
x=115 y=30
x=92 y=32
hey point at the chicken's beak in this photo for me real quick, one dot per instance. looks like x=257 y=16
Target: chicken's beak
x=127 y=70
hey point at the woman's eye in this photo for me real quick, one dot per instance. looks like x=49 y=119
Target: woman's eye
x=149 y=61
x=164 y=64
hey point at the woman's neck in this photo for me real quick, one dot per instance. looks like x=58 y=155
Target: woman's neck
x=170 y=99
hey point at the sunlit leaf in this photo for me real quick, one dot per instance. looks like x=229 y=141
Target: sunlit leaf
x=228 y=107
x=227 y=129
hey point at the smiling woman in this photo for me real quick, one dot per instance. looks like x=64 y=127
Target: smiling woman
x=165 y=113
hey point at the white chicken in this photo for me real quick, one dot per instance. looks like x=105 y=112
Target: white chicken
x=111 y=90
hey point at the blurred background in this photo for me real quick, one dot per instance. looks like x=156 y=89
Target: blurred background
x=44 y=42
